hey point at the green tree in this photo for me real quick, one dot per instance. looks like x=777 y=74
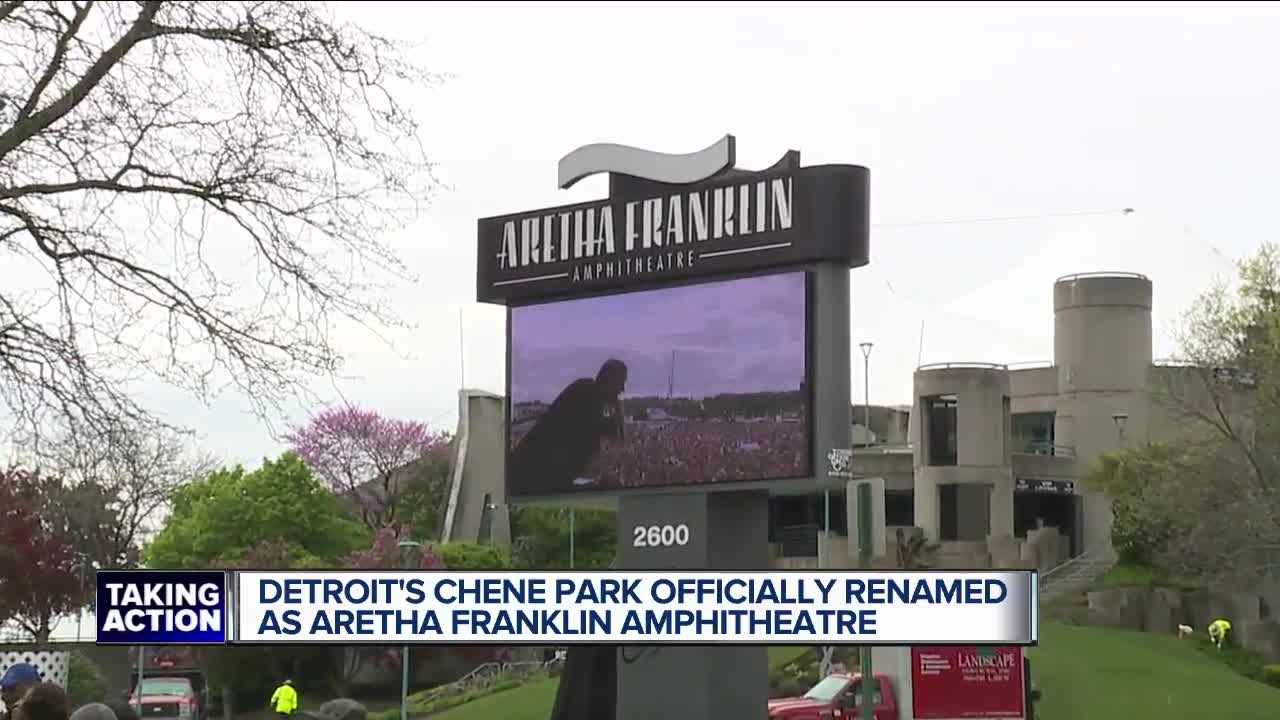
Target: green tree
x=424 y=495
x=540 y=538
x=277 y=515
x=1141 y=482
x=1208 y=506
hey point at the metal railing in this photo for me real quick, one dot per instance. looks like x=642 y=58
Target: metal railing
x=1030 y=365
x=1102 y=274
x=1047 y=448
x=961 y=366
x=489 y=674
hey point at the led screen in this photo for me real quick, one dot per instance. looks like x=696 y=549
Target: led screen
x=678 y=386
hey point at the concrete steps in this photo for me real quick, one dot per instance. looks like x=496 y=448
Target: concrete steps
x=1074 y=576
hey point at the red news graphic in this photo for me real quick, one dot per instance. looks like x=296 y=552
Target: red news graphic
x=956 y=682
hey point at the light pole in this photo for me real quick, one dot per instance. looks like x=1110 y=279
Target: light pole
x=406 y=557
x=571 y=534
x=83 y=588
x=866 y=386
x=865 y=669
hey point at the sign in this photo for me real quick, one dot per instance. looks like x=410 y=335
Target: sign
x=634 y=607
x=840 y=463
x=734 y=222
x=959 y=682
x=169 y=607
x=1055 y=487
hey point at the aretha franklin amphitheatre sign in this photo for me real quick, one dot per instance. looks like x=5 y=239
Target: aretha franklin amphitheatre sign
x=653 y=233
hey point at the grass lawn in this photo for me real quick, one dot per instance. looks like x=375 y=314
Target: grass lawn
x=534 y=700
x=1136 y=576
x=1085 y=674
x=1094 y=674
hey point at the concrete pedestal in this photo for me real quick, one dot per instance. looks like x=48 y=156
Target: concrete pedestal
x=896 y=663
x=726 y=531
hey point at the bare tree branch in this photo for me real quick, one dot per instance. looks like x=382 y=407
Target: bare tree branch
x=193 y=194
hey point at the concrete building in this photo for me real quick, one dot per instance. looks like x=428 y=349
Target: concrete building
x=995 y=456
x=987 y=459
x=476 y=509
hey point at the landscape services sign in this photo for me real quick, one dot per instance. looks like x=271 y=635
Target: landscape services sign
x=967 y=682
x=731 y=223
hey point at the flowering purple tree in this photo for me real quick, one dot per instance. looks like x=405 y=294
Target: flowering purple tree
x=370 y=458
x=384 y=553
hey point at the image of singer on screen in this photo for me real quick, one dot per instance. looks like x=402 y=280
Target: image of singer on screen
x=683 y=385
x=556 y=451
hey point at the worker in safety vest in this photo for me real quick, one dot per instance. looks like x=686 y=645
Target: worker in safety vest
x=1218 y=631
x=285 y=699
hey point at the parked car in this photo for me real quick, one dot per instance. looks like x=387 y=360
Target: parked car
x=168 y=698
x=837 y=697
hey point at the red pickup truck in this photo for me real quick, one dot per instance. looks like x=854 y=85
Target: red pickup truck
x=838 y=697
x=168 y=698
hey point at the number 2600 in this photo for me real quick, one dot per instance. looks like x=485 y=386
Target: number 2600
x=659 y=535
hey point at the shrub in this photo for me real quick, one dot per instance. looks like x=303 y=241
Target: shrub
x=1271 y=675
x=472 y=556
x=85 y=683
x=1138 y=535
x=781 y=687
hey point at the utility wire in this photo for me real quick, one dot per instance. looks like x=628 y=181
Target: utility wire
x=1006 y=218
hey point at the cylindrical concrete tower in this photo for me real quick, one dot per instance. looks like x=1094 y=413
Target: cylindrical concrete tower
x=960 y=447
x=1102 y=350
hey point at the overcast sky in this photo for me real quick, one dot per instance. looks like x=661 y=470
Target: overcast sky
x=736 y=336
x=960 y=111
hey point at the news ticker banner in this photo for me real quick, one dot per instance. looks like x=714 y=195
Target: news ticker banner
x=566 y=608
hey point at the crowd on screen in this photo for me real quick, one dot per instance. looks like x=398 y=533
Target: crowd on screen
x=691 y=452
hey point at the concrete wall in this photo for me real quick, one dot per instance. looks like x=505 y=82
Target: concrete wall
x=1184 y=398
x=1033 y=389
x=478 y=469
x=982 y=468
x=1102 y=352
x=1045 y=467
x=895 y=466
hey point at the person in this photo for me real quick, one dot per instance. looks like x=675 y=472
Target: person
x=285 y=699
x=1218 y=631
x=564 y=441
x=15 y=683
x=94 y=711
x=43 y=701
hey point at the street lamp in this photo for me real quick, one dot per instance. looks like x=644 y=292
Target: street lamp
x=866 y=671
x=866 y=386
x=84 y=565
x=407 y=548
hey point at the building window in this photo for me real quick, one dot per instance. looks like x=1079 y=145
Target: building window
x=899 y=508
x=940 y=429
x=948 y=513
x=1033 y=433
x=1006 y=425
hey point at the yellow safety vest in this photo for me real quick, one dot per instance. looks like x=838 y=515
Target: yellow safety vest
x=285 y=699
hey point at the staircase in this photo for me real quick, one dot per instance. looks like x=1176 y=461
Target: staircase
x=1074 y=575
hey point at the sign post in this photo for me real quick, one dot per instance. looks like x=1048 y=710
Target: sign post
x=717 y=299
